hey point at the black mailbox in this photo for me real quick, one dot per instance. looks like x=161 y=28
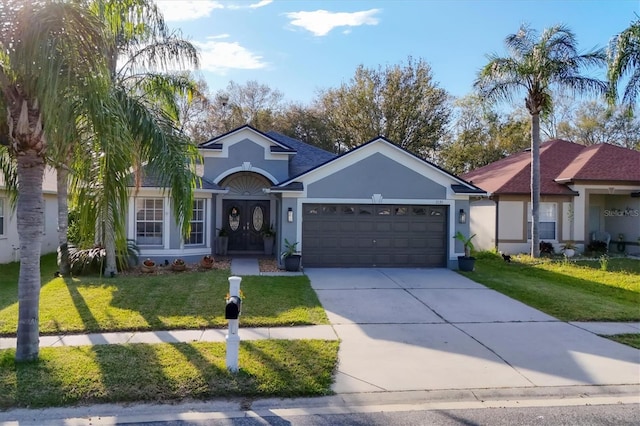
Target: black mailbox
x=234 y=306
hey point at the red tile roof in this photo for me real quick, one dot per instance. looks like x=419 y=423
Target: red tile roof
x=559 y=159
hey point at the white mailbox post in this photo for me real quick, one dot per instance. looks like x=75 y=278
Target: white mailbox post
x=232 y=313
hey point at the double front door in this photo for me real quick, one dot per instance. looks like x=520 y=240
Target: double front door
x=245 y=220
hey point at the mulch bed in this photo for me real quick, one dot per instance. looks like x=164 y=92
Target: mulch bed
x=269 y=264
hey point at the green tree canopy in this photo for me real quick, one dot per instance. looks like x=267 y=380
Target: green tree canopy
x=400 y=102
x=624 y=61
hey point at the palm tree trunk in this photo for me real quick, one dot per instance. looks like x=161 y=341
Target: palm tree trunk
x=30 y=218
x=111 y=268
x=535 y=185
x=62 y=175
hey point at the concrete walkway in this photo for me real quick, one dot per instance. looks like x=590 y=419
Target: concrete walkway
x=433 y=329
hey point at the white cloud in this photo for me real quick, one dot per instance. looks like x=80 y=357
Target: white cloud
x=321 y=22
x=222 y=56
x=237 y=5
x=261 y=3
x=187 y=10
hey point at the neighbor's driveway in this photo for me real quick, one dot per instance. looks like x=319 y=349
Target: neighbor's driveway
x=422 y=329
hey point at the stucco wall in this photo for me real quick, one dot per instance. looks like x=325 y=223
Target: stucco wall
x=511 y=216
x=9 y=242
x=376 y=174
x=483 y=224
x=242 y=154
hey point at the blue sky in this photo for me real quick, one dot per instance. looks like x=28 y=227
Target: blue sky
x=299 y=46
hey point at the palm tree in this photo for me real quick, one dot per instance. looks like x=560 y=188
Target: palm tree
x=142 y=48
x=50 y=57
x=624 y=59
x=536 y=66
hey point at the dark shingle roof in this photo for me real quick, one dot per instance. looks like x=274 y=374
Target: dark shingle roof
x=307 y=156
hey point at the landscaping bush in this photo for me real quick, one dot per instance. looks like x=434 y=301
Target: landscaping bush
x=546 y=248
x=92 y=260
x=597 y=247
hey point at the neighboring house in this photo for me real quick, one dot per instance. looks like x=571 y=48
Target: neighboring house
x=9 y=242
x=377 y=205
x=585 y=191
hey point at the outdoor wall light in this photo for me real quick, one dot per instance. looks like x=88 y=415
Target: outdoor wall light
x=462 y=216
x=289 y=215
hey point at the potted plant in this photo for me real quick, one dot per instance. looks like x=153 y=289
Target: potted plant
x=207 y=261
x=291 y=257
x=268 y=236
x=178 y=265
x=148 y=266
x=466 y=262
x=223 y=241
x=569 y=249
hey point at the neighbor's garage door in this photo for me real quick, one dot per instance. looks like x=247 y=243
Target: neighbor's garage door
x=374 y=235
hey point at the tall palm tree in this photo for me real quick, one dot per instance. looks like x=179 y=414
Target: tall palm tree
x=51 y=55
x=624 y=60
x=142 y=50
x=535 y=66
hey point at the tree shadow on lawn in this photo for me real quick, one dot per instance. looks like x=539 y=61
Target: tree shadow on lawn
x=10 y=273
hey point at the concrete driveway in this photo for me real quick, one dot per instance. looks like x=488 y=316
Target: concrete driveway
x=424 y=329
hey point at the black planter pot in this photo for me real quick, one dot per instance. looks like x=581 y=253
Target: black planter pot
x=466 y=263
x=292 y=263
x=268 y=246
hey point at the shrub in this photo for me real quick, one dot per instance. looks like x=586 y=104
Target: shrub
x=546 y=248
x=597 y=247
x=92 y=260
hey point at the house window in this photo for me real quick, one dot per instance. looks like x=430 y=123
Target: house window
x=149 y=221
x=548 y=221
x=1 y=216
x=197 y=222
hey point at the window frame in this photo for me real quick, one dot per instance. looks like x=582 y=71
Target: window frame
x=141 y=206
x=554 y=221
x=202 y=221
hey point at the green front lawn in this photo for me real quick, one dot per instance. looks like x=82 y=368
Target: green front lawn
x=567 y=290
x=187 y=300
x=166 y=372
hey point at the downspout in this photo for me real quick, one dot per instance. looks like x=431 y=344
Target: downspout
x=497 y=199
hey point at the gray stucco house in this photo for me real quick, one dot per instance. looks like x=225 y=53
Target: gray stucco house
x=374 y=206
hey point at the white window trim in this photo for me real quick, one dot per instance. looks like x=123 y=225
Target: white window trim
x=204 y=224
x=164 y=221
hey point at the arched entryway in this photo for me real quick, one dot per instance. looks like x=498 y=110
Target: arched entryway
x=246 y=211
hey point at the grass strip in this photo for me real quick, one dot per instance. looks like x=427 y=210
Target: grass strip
x=632 y=339
x=569 y=291
x=166 y=373
x=187 y=300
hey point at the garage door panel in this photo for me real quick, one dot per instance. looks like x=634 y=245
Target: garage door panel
x=383 y=227
x=374 y=235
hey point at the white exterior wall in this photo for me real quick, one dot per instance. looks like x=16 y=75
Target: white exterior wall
x=9 y=241
x=482 y=222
